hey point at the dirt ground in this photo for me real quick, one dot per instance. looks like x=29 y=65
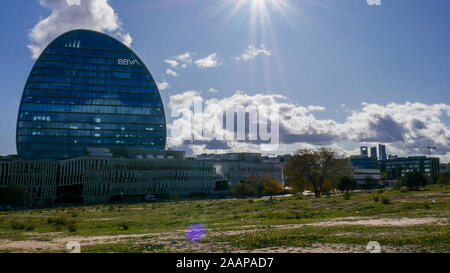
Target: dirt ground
x=176 y=240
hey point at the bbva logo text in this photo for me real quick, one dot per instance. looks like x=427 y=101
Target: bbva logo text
x=127 y=62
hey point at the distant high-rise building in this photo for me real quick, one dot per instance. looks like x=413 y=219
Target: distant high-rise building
x=364 y=151
x=373 y=152
x=382 y=152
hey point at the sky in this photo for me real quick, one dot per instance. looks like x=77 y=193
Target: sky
x=342 y=73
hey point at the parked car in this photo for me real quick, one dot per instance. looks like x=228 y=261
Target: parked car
x=306 y=193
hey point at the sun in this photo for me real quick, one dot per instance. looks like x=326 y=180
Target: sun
x=260 y=29
x=257 y=8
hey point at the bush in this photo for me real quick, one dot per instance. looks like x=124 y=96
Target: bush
x=347 y=184
x=61 y=220
x=242 y=189
x=72 y=225
x=375 y=198
x=385 y=200
x=415 y=179
x=74 y=215
x=16 y=225
x=125 y=225
x=29 y=227
x=272 y=186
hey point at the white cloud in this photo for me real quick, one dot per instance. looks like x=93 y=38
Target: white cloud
x=209 y=62
x=171 y=72
x=172 y=63
x=212 y=90
x=406 y=128
x=183 y=59
x=163 y=85
x=74 y=14
x=253 y=52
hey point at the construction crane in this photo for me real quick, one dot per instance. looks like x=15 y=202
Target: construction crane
x=429 y=149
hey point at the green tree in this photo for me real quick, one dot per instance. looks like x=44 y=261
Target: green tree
x=297 y=184
x=347 y=184
x=242 y=189
x=316 y=167
x=415 y=179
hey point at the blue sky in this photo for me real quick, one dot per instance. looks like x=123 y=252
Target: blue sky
x=331 y=53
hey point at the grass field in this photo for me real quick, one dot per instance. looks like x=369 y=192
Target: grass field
x=401 y=221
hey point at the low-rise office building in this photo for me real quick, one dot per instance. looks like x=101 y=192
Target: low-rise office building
x=399 y=166
x=104 y=179
x=236 y=167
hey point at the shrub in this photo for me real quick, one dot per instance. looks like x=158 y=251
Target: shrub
x=16 y=225
x=125 y=225
x=242 y=189
x=385 y=200
x=272 y=186
x=415 y=179
x=61 y=220
x=347 y=184
x=29 y=227
x=74 y=215
x=375 y=198
x=72 y=225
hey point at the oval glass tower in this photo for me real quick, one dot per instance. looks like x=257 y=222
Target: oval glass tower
x=88 y=90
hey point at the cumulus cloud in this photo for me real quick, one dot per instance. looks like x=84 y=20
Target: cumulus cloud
x=208 y=62
x=252 y=52
x=162 y=85
x=183 y=59
x=213 y=90
x=74 y=14
x=172 y=63
x=406 y=128
x=171 y=73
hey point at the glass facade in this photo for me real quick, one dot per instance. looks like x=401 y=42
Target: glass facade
x=88 y=90
x=398 y=167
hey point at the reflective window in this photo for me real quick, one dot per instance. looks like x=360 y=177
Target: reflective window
x=88 y=90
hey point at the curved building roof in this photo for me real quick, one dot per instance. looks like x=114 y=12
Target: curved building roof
x=88 y=89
